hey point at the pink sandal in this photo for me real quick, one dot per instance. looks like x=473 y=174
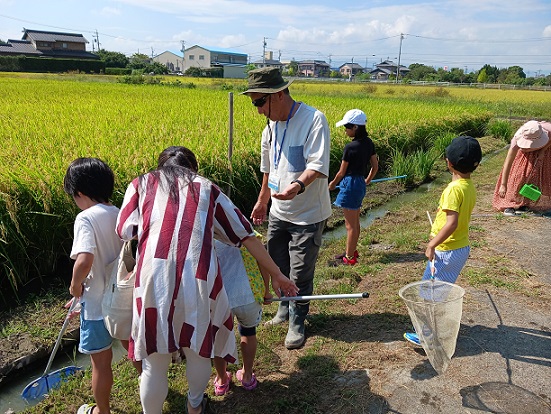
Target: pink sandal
x=249 y=386
x=221 y=389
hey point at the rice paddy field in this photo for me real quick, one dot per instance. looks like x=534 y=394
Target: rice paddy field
x=48 y=120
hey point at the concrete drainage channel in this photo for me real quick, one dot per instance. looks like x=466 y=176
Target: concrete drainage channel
x=26 y=369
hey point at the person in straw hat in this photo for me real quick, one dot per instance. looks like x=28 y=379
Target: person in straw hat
x=528 y=161
x=295 y=166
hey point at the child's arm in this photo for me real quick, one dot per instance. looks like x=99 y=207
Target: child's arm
x=266 y=276
x=452 y=218
x=374 y=161
x=81 y=270
x=280 y=283
x=511 y=154
x=340 y=175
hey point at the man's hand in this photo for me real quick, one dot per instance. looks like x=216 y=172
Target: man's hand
x=258 y=214
x=289 y=193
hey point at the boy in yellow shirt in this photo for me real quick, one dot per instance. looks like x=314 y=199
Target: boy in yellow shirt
x=449 y=246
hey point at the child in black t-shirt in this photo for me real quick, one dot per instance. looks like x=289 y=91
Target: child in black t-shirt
x=352 y=179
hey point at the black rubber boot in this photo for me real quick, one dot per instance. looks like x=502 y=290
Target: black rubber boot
x=281 y=316
x=295 y=335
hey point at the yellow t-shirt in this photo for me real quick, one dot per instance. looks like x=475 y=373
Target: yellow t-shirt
x=458 y=196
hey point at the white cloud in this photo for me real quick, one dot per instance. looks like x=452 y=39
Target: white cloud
x=109 y=12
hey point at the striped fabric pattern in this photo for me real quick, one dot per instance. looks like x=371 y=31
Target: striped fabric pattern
x=179 y=299
x=448 y=264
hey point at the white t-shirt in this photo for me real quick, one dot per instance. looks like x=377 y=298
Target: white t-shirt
x=94 y=232
x=306 y=145
x=234 y=274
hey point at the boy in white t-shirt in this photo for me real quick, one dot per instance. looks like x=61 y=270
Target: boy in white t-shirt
x=90 y=182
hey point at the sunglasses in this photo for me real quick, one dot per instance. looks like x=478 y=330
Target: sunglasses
x=348 y=126
x=260 y=101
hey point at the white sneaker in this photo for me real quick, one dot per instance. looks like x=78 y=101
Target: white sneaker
x=509 y=212
x=86 y=409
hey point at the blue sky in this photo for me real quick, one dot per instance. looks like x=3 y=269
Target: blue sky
x=442 y=33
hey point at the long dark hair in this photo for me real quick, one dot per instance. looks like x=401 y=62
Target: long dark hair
x=175 y=163
x=361 y=132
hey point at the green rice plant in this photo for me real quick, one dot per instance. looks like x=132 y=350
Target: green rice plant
x=400 y=164
x=49 y=120
x=500 y=129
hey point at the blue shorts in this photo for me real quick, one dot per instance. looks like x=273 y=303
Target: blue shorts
x=94 y=336
x=352 y=192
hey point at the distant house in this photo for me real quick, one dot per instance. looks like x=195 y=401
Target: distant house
x=350 y=69
x=386 y=69
x=268 y=62
x=172 y=61
x=233 y=63
x=48 y=44
x=313 y=68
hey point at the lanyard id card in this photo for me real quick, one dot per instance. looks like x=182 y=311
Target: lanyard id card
x=273 y=182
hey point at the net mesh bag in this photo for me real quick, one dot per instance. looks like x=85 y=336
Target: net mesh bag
x=435 y=309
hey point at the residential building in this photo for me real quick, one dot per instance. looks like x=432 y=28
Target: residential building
x=234 y=64
x=268 y=62
x=386 y=69
x=313 y=68
x=350 y=69
x=39 y=43
x=172 y=61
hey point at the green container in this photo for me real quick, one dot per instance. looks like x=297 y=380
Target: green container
x=530 y=191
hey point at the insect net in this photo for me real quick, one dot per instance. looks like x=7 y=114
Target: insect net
x=435 y=309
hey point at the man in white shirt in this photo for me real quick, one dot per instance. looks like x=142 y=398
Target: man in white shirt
x=295 y=164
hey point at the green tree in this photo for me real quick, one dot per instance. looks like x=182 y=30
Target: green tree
x=513 y=75
x=292 y=69
x=113 y=59
x=138 y=61
x=492 y=73
x=482 y=76
x=419 y=72
x=194 y=72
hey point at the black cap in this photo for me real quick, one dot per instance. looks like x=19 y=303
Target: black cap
x=464 y=153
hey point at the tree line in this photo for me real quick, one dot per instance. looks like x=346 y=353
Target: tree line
x=513 y=75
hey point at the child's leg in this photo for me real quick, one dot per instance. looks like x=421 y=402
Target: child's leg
x=198 y=371
x=154 y=382
x=102 y=379
x=352 y=223
x=137 y=364
x=220 y=366
x=96 y=342
x=248 y=344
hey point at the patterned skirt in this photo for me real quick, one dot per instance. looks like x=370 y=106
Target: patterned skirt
x=526 y=169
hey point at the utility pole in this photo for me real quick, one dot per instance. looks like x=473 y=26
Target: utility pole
x=264 y=51
x=183 y=50
x=152 y=53
x=97 y=40
x=399 y=58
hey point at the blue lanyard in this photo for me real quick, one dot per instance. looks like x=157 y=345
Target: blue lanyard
x=277 y=155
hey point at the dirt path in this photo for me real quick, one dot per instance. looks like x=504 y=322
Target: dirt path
x=502 y=362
